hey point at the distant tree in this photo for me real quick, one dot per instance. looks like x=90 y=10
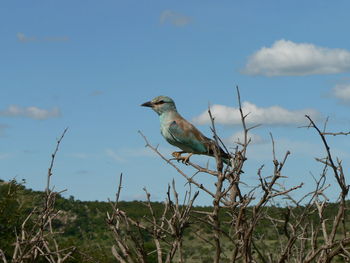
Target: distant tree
x=12 y=213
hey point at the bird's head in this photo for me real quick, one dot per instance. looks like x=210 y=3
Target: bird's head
x=161 y=104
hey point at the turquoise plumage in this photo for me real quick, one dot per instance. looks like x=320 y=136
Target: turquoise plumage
x=179 y=132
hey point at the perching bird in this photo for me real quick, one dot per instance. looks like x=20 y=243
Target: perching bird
x=180 y=133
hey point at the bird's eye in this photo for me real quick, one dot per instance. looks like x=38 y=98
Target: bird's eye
x=159 y=102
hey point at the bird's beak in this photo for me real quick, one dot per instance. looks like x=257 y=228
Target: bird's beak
x=147 y=104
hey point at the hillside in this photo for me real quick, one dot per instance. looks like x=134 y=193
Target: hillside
x=82 y=224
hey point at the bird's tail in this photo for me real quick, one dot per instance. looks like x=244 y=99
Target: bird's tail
x=227 y=161
x=225 y=157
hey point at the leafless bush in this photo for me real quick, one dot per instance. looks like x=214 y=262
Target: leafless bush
x=37 y=241
x=166 y=230
x=302 y=232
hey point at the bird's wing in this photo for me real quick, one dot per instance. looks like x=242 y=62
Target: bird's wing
x=185 y=134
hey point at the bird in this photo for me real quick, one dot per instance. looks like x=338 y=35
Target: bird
x=181 y=133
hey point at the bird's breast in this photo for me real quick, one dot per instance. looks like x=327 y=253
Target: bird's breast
x=164 y=129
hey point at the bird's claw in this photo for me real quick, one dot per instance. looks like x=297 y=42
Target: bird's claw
x=176 y=155
x=183 y=159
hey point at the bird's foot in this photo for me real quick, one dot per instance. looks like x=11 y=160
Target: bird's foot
x=177 y=155
x=187 y=158
x=183 y=159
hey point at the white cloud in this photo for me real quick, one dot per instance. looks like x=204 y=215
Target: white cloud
x=21 y=37
x=342 y=92
x=274 y=115
x=31 y=112
x=174 y=18
x=297 y=59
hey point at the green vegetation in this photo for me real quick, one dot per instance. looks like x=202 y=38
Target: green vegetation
x=83 y=225
x=80 y=224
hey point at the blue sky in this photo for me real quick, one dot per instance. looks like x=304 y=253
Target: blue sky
x=88 y=65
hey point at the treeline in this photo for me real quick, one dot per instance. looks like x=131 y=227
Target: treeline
x=82 y=224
